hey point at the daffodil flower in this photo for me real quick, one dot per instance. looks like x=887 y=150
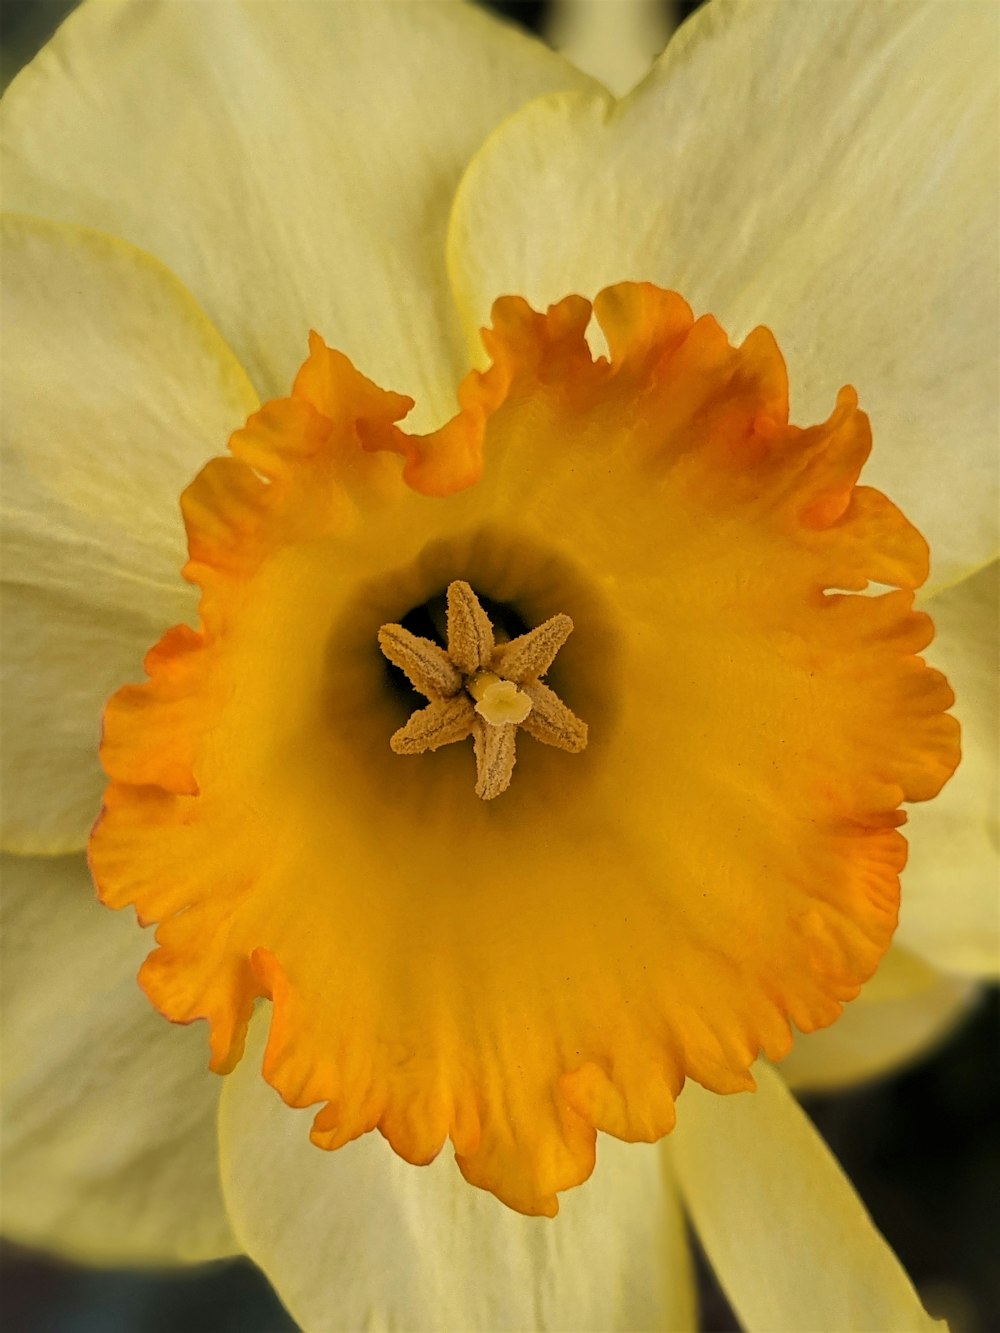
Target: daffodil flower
x=522 y=769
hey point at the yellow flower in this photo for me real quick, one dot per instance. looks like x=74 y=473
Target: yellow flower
x=518 y=971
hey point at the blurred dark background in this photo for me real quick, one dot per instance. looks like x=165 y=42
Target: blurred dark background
x=922 y=1149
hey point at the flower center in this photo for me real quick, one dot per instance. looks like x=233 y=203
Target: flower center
x=482 y=689
x=660 y=897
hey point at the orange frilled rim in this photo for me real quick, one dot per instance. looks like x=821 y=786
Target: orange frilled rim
x=723 y=860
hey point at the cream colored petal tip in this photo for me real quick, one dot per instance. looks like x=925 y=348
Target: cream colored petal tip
x=788 y=1238
x=615 y=43
x=109 y=1113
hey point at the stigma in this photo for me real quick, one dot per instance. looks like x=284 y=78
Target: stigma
x=484 y=689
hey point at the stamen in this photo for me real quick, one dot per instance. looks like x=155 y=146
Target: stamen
x=470 y=634
x=533 y=653
x=477 y=688
x=440 y=723
x=550 y=721
x=425 y=664
x=496 y=755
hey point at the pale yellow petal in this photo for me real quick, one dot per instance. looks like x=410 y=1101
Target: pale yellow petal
x=115 y=391
x=292 y=163
x=359 y=1239
x=789 y=1240
x=61 y=661
x=109 y=1111
x=828 y=170
x=951 y=886
x=903 y=1011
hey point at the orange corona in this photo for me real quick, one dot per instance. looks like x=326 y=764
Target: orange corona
x=717 y=863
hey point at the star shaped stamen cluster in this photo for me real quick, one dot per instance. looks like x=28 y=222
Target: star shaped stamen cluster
x=482 y=689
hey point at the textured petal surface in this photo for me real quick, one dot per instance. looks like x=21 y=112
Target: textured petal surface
x=357 y=1239
x=292 y=162
x=790 y=1241
x=902 y=1012
x=827 y=170
x=951 y=887
x=109 y=1114
x=115 y=390
x=720 y=862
